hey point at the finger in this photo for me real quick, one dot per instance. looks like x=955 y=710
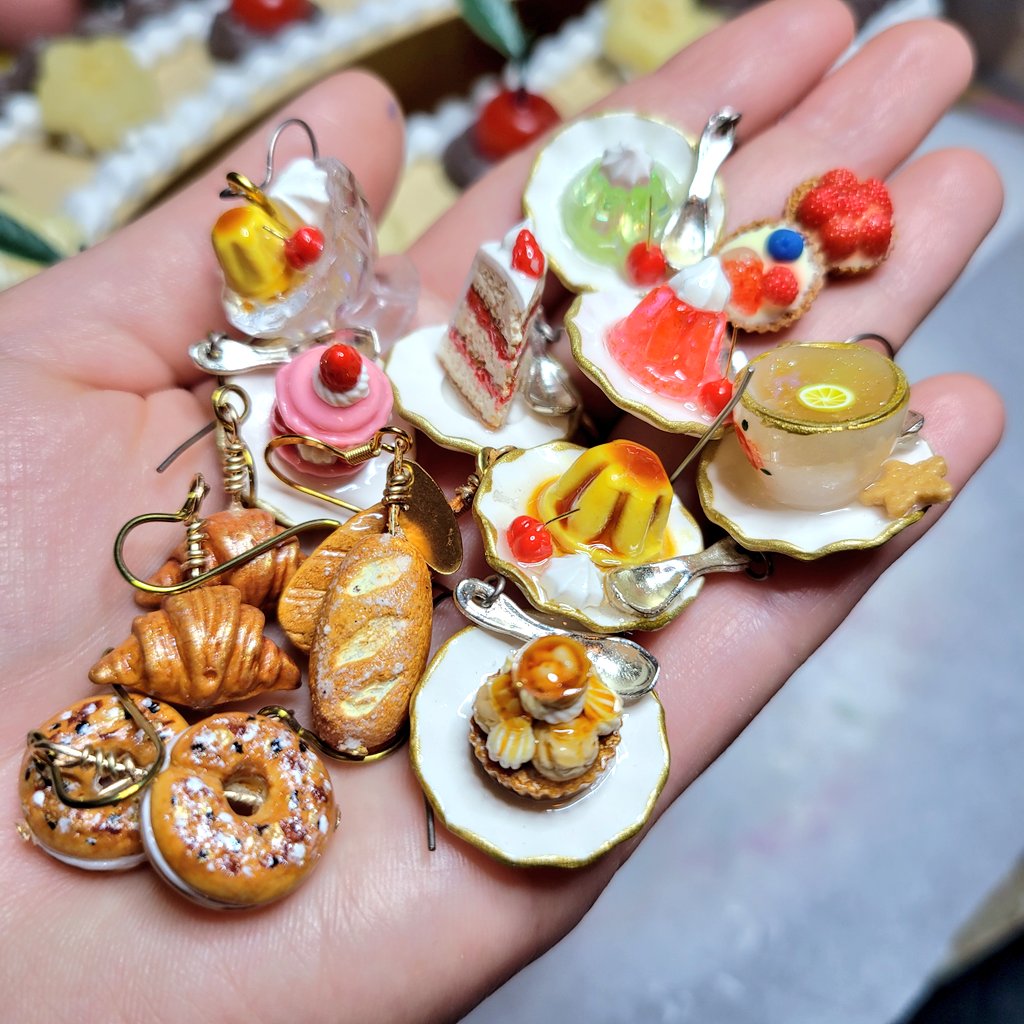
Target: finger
x=735 y=646
x=154 y=287
x=807 y=37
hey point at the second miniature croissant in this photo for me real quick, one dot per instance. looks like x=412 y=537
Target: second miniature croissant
x=227 y=534
x=204 y=647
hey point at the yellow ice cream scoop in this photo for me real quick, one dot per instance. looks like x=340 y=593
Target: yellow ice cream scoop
x=619 y=495
x=250 y=247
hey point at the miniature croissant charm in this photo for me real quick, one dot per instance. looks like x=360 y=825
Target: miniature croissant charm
x=227 y=534
x=204 y=647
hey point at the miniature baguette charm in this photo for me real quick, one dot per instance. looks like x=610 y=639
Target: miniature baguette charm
x=371 y=644
x=228 y=534
x=299 y=607
x=204 y=647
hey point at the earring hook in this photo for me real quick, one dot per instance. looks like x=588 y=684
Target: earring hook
x=240 y=185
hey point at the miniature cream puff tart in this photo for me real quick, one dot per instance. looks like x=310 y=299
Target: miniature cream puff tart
x=95 y=838
x=332 y=393
x=241 y=815
x=546 y=726
x=775 y=269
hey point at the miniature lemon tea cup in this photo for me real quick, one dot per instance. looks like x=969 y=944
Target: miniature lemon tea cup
x=819 y=419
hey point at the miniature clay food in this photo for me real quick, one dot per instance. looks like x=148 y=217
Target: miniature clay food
x=545 y=726
x=619 y=497
x=672 y=342
x=617 y=201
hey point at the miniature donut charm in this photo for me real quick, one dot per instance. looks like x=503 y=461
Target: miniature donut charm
x=96 y=838
x=242 y=813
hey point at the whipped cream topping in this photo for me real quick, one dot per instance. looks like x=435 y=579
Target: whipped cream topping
x=301 y=189
x=574 y=580
x=626 y=166
x=703 y=285
x=499 y=254
x=546 y=713
x=343 y=399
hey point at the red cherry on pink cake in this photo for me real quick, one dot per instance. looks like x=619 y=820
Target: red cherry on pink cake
x=529 y=539
x=304 y=247
x=646 y=264
x=268 y=16
x=340 y=366
x=512 y=119
x=527 y=257
x=714 y=395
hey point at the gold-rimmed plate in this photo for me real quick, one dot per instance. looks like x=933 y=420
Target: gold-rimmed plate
x=427 y=399
x=587 y=323
x=732 y=496
x=575 y=148
x=517 y=830
x=569 y=586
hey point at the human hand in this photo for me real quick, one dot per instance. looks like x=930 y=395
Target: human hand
x=98 y=387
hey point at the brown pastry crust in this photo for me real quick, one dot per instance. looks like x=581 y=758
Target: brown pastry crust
x=371 y=644
x=527 y=781
x=299 y=606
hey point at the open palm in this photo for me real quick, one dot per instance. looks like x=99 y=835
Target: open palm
x=98 y=388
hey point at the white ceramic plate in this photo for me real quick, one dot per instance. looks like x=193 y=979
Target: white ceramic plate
x=363 y=488
x=517 y=830
x=588 y=321
x=731 y=493
x=425 y=397
x=572 y=150
x=505 y=493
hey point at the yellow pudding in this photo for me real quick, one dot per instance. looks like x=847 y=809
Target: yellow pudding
x=250 y=247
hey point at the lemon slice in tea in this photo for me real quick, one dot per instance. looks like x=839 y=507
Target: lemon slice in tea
x=825 y=396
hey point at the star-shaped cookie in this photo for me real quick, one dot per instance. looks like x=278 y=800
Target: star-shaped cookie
x=903 y=485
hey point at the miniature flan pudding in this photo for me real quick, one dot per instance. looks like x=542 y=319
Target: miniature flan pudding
x=334 y=394
x=484 y=347
x=612 y=504
x=619 y=200
x=673 y=341
x=545 y=725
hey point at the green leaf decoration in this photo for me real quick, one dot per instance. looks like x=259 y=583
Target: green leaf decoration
x=497 y=24
x=19 y=240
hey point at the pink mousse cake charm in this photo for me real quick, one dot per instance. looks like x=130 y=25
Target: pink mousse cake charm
x=334 y=394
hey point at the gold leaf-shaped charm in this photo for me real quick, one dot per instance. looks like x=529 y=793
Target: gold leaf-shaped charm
x=430 y=525
x=371 y=644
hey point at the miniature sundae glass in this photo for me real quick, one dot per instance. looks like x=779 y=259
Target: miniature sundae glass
x=819 y=419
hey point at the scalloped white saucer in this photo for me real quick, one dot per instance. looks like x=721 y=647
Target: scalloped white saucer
x=573 y=149
x=517 y=830
x=731 y=493
x=363 y=488
x=425 y=397
x=587 y=323
x=505 y=492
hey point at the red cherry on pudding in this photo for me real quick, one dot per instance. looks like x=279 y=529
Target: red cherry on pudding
x=646 y=263
x=714 y=395
x=268 y=16
x=529 y=539
x=340 y=366
x=304 y=247
x=512 y=119
x=527 y=257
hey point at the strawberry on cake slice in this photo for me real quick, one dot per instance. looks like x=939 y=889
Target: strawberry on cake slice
x=487 y=337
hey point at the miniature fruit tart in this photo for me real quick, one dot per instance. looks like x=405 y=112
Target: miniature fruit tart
x=851 y=219
x=602 y=186
x=570 y=832
x=545 y=726
x=775 y=269
x=559 y=518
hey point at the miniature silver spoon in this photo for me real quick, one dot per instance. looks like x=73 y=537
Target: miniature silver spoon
x=624 y=666
x=227 y=357
x=688 y=238
x=547 y=388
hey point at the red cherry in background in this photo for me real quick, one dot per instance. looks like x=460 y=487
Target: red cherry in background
x=714 y=395
x=512 y=119
x=340 y=366
x=268 y=16
x=527 y=257
x=529 y=539
x=304 y=247
x=646 y=264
